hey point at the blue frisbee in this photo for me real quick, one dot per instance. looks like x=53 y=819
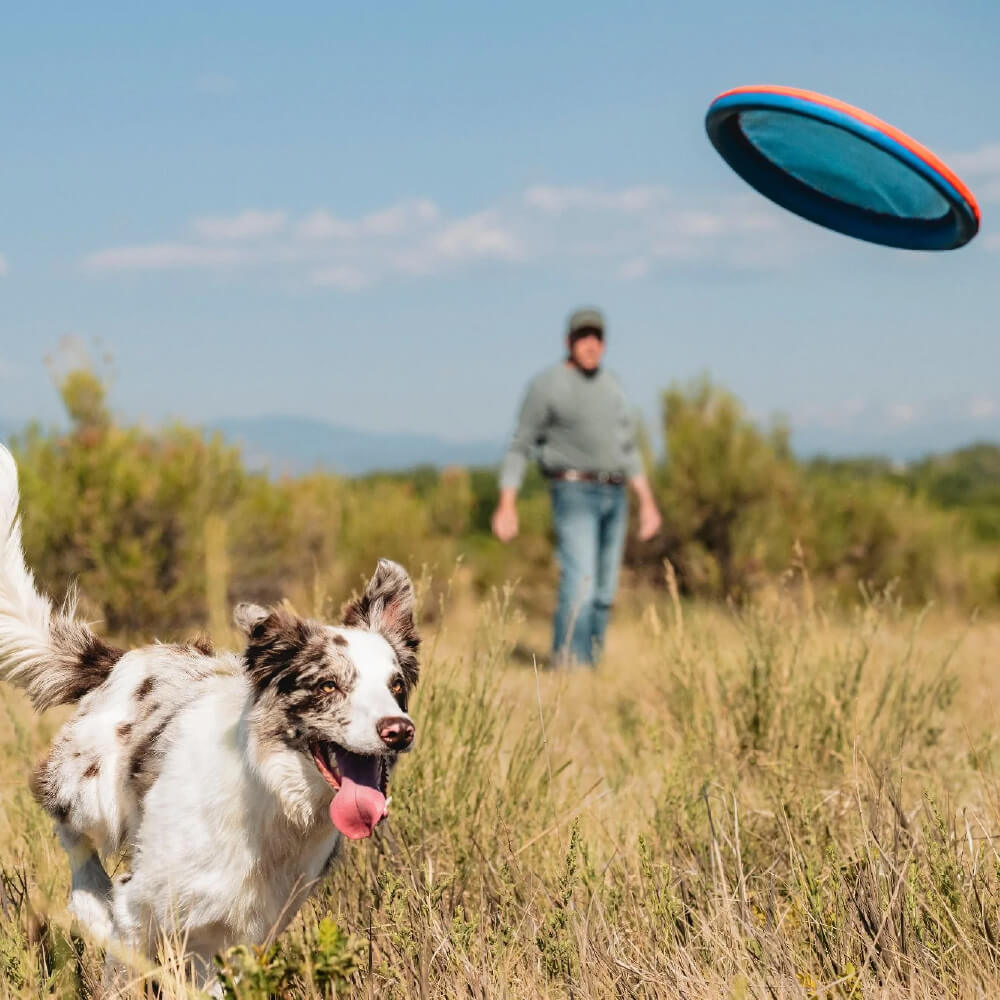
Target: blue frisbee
x=842 y=168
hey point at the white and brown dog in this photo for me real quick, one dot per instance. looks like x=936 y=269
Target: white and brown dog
x=229 y=780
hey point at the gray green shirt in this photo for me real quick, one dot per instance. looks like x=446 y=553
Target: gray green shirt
x=570 y=421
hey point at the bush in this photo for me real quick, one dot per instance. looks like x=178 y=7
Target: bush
x=164 y=530
x=730 y=493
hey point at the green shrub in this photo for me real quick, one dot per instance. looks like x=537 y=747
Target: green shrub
x=162 y=530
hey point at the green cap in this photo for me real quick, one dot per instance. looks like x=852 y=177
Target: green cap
x=585 y=319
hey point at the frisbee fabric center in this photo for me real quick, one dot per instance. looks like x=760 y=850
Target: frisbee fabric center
x=841 y=165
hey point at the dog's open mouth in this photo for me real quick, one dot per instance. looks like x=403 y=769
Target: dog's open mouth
x=359 y=783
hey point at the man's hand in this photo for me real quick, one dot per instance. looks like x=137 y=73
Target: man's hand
x=649 y=521
x=649 y=515
x=504 y=522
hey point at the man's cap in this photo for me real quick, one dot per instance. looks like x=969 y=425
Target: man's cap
x=585 y=321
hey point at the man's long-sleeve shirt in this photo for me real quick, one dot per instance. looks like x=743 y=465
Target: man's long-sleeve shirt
x=569 y=420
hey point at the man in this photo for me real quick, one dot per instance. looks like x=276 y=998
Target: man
x=575 y=417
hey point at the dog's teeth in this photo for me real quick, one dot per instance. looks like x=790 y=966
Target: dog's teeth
x=385 y=808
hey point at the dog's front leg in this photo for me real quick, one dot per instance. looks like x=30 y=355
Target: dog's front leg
x=90 y=888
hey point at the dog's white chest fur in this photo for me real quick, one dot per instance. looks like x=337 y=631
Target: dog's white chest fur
x=234 y=853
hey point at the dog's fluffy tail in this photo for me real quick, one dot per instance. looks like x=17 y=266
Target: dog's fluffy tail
x=55 y=659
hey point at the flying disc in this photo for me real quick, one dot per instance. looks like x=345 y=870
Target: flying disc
x=842 y=168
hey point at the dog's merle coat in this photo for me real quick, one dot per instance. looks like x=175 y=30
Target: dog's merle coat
x=205 y=768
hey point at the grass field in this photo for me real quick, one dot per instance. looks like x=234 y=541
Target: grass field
x=763 y=802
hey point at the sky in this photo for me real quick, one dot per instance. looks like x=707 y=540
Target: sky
x=380 y=215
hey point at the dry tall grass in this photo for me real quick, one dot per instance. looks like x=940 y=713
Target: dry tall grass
x=763 y=802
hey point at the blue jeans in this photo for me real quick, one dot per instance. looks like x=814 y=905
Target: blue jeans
x=590 y=521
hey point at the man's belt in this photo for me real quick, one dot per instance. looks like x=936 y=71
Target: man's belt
x=580 y=476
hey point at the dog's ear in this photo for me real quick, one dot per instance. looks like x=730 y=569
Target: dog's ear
x=249 y=617
x=276 y=636
x=387 y=607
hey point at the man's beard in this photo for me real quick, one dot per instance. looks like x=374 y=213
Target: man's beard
x=585 y=372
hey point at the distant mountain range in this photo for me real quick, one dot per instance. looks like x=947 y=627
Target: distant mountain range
x=900 y=444
x=294 y=445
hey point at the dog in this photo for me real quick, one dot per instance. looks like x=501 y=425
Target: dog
x=228 y=780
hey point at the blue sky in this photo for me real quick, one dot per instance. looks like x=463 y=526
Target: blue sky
x=380 y=216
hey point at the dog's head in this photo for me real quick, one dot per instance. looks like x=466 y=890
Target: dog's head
x=339 y=694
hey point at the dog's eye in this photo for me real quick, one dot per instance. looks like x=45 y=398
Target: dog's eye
x=328 y=687
x=397 y=688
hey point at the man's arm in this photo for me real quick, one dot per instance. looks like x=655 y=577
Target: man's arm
x=649 y=514
x=504 y=522
x=530 y=422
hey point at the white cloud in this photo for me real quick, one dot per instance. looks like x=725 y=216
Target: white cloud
x=555 y=200
x=983 y=407
x=632 y=232
x=975 y=163
x=248 y=225
x=3 y=266
x=649 y=224
x=901 y=414
x=701 y=223
x=868 y=419
x=835 y=416
x=479 y=235
x=634 y=268
x=395 y=220
x=980 y=168
x=160 y=257
x=321 y=225
x=400 y=218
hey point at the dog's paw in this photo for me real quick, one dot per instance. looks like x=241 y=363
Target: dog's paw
x=213 y=987
x=93 y=911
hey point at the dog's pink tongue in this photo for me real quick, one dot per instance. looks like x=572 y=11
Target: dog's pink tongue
x=359 y=804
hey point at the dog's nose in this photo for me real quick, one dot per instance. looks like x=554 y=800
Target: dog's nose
x=396 y=732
